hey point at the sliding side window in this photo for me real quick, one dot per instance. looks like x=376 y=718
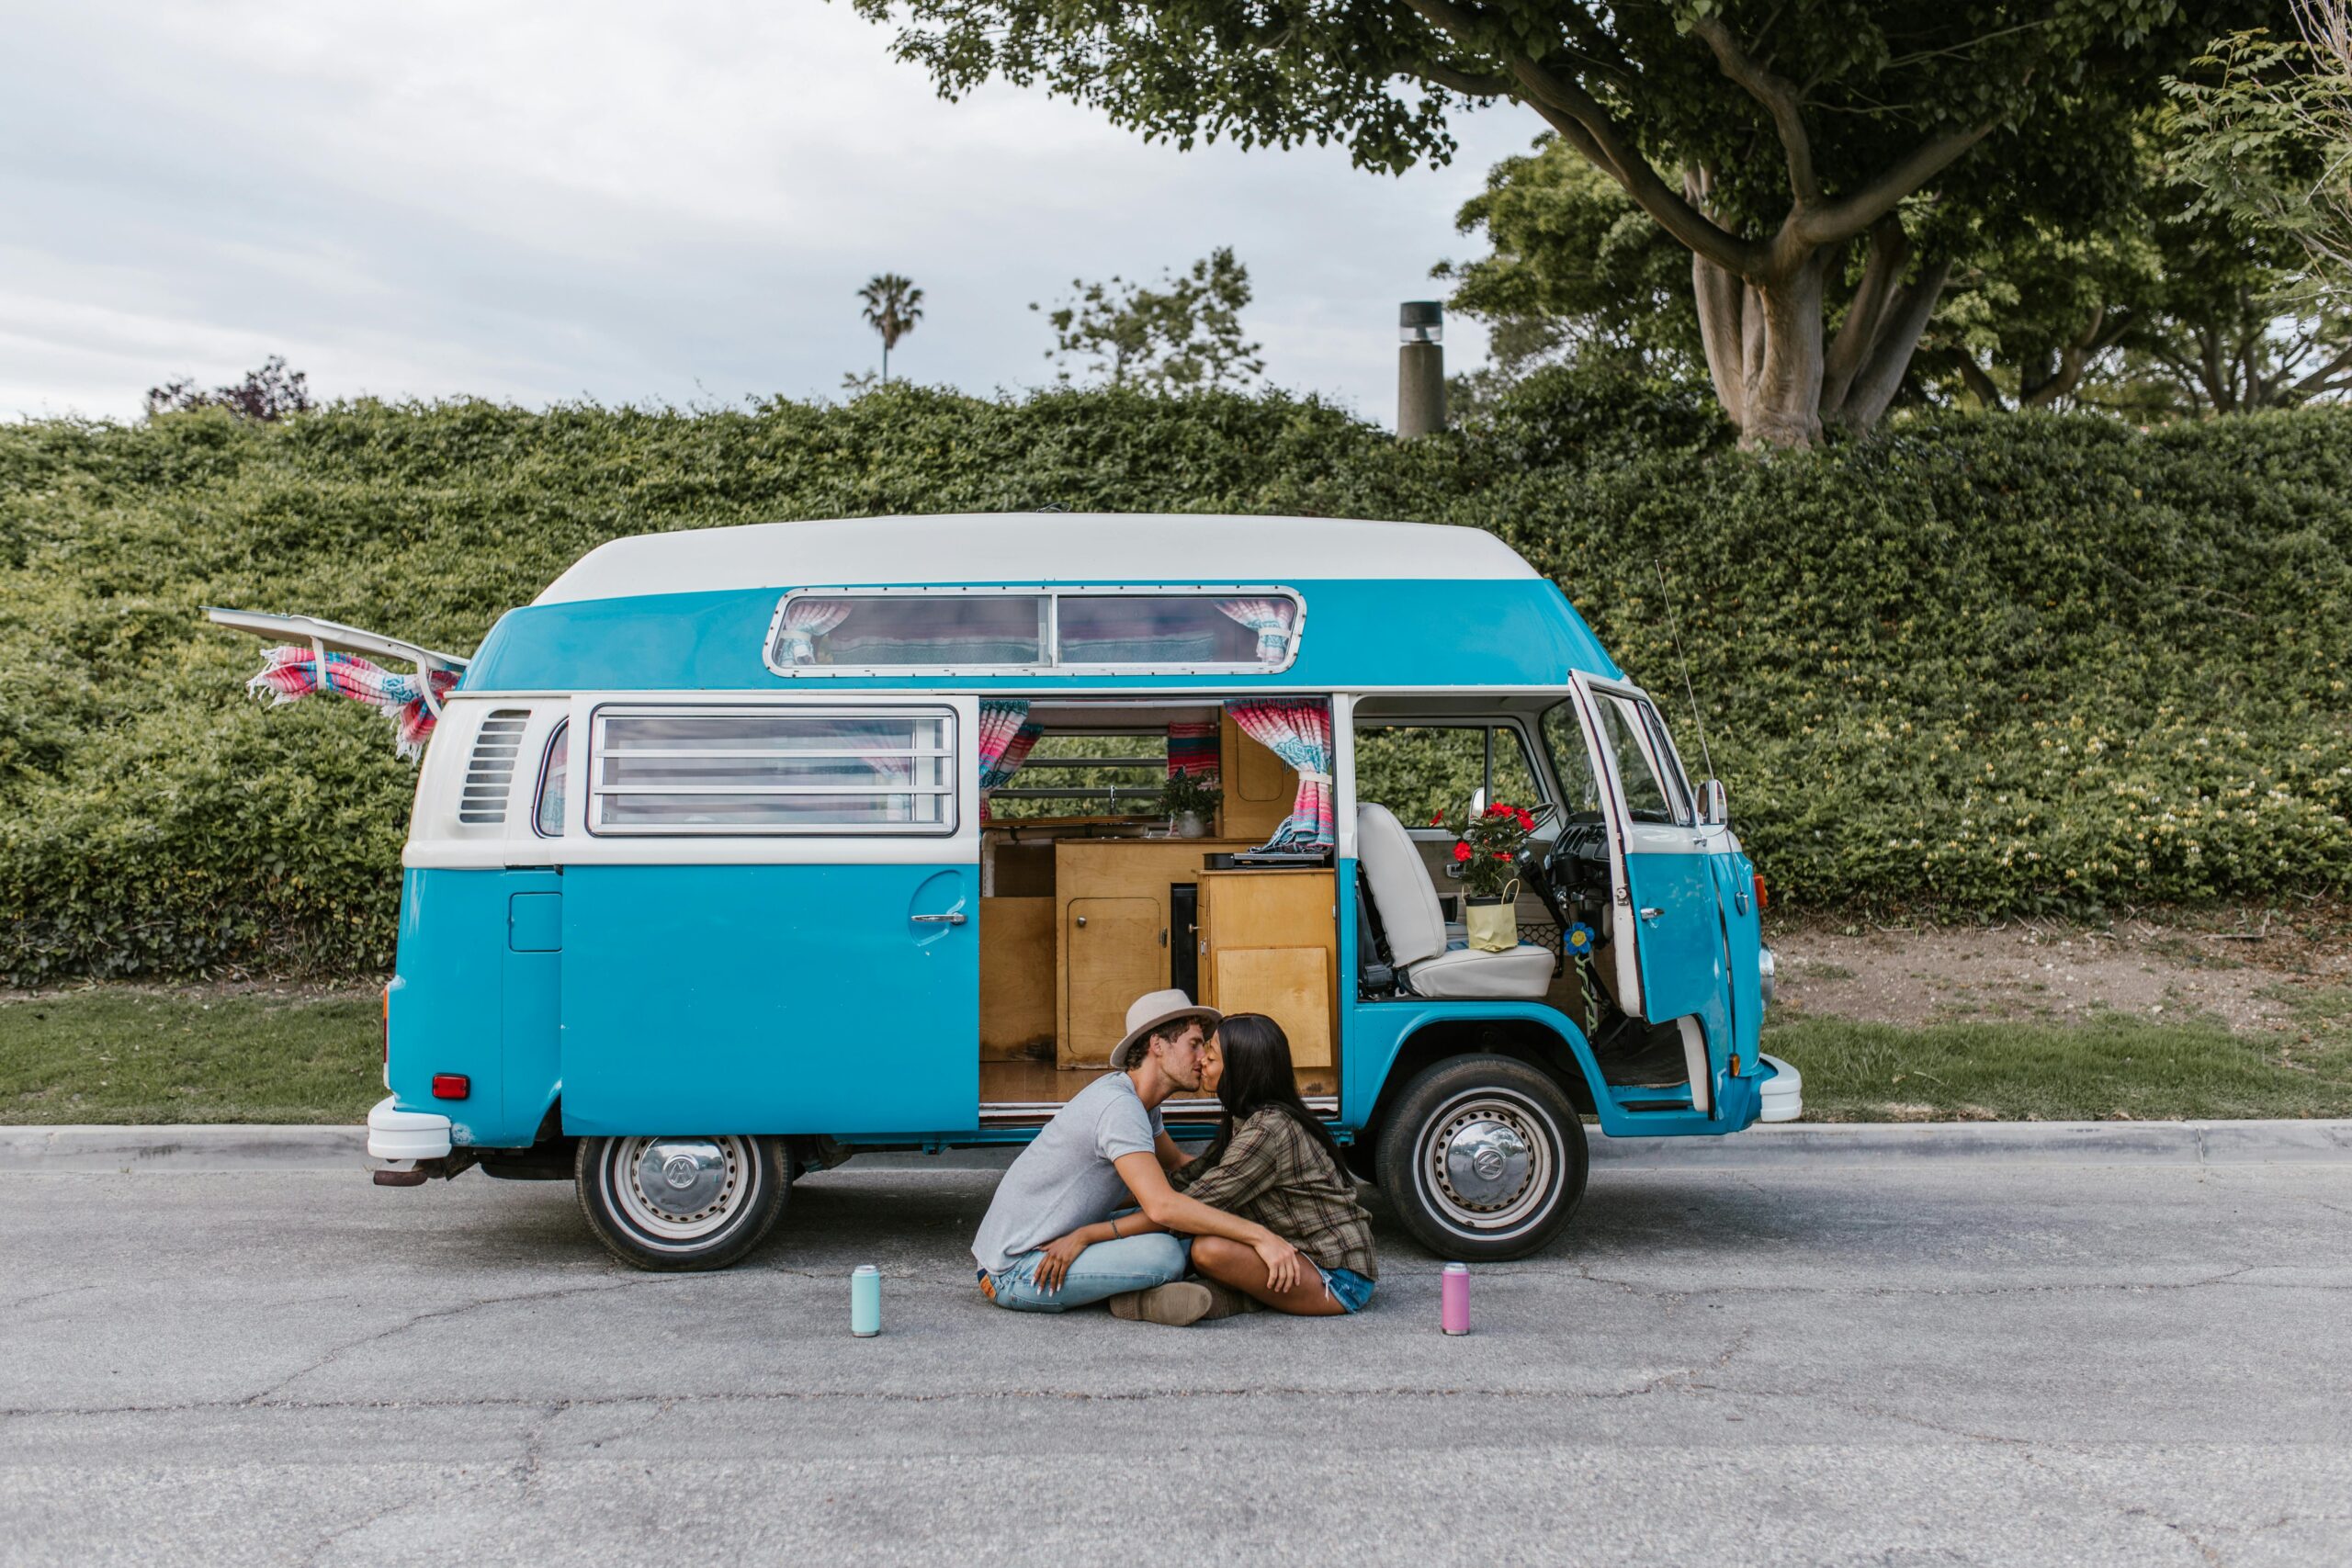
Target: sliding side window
x=738 y=771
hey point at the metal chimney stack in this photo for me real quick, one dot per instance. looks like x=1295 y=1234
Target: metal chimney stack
x=1420 y=368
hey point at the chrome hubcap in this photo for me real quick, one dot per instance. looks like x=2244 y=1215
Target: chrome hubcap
x=1486 y=1162
x=678 y=1189
x=1489 y=1162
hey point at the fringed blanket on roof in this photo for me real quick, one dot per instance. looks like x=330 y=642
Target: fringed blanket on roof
x=289 y=674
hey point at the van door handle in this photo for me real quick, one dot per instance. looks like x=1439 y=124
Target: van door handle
x=953 y=917
x=1646 y=914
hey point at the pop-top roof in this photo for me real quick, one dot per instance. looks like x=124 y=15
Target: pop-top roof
x=1030 y=547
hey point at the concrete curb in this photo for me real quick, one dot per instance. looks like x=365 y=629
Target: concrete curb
x=193 y=1150
x=2007 y=1143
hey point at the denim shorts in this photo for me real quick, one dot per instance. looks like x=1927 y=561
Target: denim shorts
x=1348 y=1287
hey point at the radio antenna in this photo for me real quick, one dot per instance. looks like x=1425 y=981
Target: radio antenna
x=1673 y=624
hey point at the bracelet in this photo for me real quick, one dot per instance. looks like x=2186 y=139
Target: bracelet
x=1114 y=1226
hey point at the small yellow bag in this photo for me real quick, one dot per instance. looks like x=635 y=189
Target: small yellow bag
x=1494 y=928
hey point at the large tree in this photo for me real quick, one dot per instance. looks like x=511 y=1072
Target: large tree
x=1787 y=144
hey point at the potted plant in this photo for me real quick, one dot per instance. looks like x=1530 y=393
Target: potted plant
x=1190 y=800
x=1486 y=847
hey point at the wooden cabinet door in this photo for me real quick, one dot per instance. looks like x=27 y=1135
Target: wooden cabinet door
x=1116 y=953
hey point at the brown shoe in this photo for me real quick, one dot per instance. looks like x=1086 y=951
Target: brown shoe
x=1172 y=1305
x=1227 y=1302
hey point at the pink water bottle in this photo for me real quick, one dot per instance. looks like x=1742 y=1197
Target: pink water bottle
x=1453 y=1299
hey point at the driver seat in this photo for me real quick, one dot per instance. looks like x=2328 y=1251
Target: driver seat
x=1415 y=925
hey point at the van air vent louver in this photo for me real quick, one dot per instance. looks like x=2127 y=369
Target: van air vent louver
x=491 y=771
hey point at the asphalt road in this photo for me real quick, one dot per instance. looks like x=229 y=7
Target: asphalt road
x=1923 y=1363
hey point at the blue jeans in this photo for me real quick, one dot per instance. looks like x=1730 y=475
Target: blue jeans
x=1102 y=1271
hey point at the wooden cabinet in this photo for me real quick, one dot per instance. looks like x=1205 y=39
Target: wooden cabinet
x=1115 y=924
x=1270 y=944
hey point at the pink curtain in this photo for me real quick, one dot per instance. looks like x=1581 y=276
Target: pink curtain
x=1269 y=618
x=806 y=620
x=1298 y=730
x=1006 y=738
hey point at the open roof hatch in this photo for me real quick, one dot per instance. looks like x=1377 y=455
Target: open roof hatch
x=326 y=637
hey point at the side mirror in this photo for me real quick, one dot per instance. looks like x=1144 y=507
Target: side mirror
x=1714 y=803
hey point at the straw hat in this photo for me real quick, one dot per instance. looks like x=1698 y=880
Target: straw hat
x=1156 y=1009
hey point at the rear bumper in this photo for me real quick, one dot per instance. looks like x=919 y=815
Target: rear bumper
x=1781 y=1095
x=394 y=1133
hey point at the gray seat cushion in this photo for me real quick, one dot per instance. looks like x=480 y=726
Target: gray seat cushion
x=1464 y=974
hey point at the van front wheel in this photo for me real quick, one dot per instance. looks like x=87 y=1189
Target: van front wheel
x=1483 y=1158
x=686 y=1203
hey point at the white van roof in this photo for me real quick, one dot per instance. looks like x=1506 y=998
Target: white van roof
x=1030 y=547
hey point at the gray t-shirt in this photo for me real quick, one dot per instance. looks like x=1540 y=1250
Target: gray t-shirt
x=1065 y=1178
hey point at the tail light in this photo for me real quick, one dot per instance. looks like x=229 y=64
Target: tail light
x=1763 y=899
x=452 y=1086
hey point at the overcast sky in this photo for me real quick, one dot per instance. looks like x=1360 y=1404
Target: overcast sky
x=632 y=203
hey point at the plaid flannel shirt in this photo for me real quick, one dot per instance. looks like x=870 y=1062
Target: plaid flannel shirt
x=1274 y=1173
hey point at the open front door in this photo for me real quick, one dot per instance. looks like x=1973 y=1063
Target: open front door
x=771 y=914
x=1669 y=929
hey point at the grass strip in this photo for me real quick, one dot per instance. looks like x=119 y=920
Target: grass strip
x=2108 y=1067
x=128 y=1057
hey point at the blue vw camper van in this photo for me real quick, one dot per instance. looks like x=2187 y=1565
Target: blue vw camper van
x=741 y=851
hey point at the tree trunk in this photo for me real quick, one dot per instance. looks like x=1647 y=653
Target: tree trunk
x=1764 y=344
x=1896 y=339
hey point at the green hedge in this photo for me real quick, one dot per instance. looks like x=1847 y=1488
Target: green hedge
x=1975 y=665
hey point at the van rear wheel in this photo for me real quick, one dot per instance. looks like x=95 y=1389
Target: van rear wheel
x=1483 y=1158
x=685 y=1202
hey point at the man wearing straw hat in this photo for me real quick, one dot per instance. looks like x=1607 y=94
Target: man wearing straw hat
x=1106 y=1152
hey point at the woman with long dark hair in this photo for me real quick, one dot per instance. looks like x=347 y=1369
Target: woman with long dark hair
x=1275 y=1163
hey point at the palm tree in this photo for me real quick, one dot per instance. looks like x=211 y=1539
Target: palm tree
x=893 y=305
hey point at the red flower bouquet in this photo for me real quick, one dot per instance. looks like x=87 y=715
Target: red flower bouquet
x=1488 y=846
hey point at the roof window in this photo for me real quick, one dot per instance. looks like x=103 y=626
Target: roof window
x=1074 y=630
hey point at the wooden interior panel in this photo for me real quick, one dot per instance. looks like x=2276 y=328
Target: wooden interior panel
x=1259 y=788
x=1114 y=954
x=1290 y=985
x=1017 y=990
x=1023 y=871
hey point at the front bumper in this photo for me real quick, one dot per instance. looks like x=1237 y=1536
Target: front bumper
x=1782 y=1096
x=394 y=1133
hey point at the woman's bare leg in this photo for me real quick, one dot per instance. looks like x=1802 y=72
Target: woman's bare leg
x=1230 y=1263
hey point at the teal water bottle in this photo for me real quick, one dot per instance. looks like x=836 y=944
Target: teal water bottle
x=865 y=1301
